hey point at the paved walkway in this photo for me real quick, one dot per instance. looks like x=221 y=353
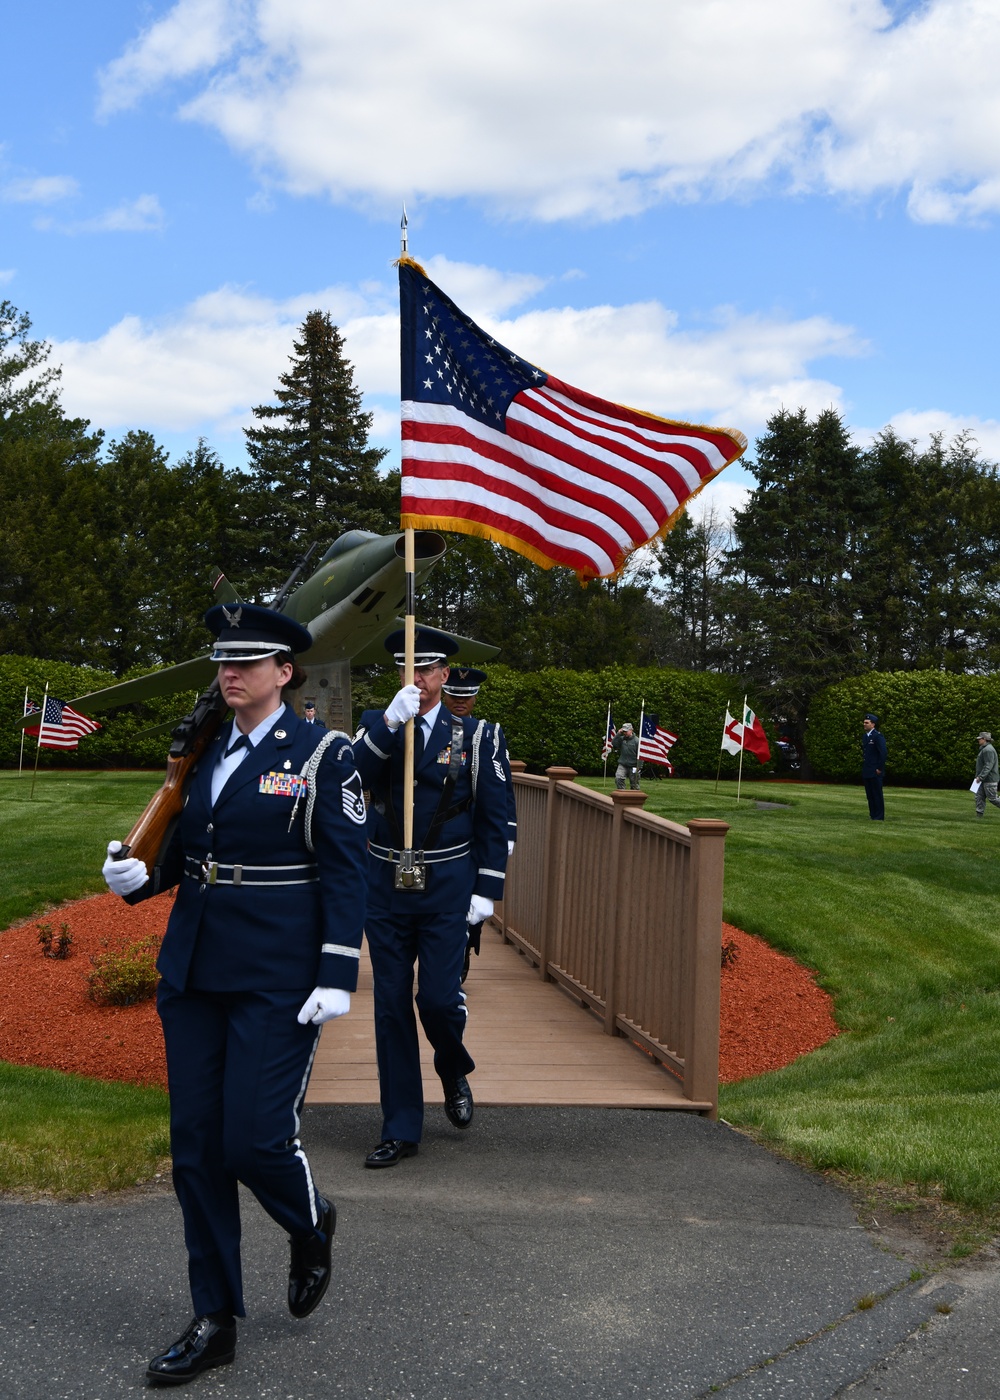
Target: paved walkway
x=566 y=1253
x=532 y=1042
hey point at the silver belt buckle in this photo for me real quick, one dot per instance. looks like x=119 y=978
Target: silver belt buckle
x=410 y=873
x=209 y=871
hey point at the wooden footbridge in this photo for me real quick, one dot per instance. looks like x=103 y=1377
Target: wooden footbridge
x=598 y=983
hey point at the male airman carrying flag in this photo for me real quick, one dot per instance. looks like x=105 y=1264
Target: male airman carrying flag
x=494 y=446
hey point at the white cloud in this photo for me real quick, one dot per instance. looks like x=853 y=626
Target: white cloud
x=203 y=369
x=921 y=425
x=574 y=108
x=143 y=214
x=39 y=189
x=193 y=36
x=7 y=274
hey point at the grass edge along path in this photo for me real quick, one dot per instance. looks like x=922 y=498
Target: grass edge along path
x=62 y=1133
x=898 y=922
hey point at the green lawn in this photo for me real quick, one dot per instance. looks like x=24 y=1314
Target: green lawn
x=897 y=919
x=59 y=1132
x=900 y=922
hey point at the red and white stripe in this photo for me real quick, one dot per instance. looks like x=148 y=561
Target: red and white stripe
x=655 y=750
x=68 y=732
x=574 y=479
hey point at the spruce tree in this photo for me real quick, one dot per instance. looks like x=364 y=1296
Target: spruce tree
x=314 y=474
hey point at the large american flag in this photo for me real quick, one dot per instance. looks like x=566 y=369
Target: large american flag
x=494 y=446
x=655 y=743
x=62 y=727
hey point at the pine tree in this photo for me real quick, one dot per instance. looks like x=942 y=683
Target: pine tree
x=313 y=471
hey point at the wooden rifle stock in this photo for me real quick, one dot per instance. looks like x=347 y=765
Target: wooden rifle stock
x=151 y=834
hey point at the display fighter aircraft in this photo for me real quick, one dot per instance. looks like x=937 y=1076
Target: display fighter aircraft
x=350 y=604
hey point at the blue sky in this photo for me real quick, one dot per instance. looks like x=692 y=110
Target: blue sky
x=706 y=208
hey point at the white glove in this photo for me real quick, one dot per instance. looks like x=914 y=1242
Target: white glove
x=403 y=706
x=323 y=1004
x=510 y=848
x=123 y=876
x=479 y=909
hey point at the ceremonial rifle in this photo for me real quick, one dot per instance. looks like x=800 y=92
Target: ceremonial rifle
x=149 y=838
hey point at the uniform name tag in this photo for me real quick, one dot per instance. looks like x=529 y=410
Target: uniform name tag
x=282 y=784
x=445 y=756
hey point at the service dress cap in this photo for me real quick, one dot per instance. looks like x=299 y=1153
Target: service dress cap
x=464 y=680
x=873 y=718
x=429 y=646
x=247 y=632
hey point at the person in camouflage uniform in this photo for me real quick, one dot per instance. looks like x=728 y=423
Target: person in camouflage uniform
x=625 y=746
x=988 y=773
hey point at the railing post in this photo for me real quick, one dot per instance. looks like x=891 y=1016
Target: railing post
x=517 y=765
x=704 y=927
x=615 y=916
x=551 y=874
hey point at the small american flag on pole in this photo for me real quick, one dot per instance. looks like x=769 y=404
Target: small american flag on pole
x=608 y=736
x=655 y=743
x=493 y=446
x=62 y=727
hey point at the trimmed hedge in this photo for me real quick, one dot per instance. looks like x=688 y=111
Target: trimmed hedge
x=930 y=720
x=115 y=745
x=558 y=716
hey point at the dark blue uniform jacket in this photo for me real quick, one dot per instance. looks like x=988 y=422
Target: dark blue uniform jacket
x=873 y=750
x=472 y=843
x=267 y=935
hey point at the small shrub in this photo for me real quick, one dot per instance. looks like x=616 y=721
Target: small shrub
x=730 y=953
x=124 y=976
x=868 y=1301
x=55 y=945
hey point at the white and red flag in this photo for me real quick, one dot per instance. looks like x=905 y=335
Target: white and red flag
x=748 y=736
x=493 y=446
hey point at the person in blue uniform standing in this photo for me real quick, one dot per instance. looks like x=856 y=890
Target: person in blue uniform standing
x=309 y=715
x=460 y=832
x=459 y=695
x=261 y=948
x=873 y=756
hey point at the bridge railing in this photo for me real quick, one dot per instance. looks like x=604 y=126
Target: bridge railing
x=624 y=910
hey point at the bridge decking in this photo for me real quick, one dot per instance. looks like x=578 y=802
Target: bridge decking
x=533 y=1044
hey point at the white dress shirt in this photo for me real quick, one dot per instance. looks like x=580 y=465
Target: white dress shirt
x=226 y=767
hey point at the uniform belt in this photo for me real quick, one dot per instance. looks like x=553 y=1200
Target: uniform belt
x=434 y=857
x=214 y=872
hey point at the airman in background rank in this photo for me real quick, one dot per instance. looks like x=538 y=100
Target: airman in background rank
x=460 y=812
x=459 y=695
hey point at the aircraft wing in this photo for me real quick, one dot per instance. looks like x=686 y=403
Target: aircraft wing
x=469 y=650
x=196 y=674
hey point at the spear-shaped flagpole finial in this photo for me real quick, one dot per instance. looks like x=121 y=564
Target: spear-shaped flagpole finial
x=403 y=241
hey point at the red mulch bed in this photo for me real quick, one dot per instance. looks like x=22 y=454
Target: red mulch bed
x=772 y=1009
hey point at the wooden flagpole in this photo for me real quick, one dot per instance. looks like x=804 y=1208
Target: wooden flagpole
x=607 y=727
x=638 y=757
x=20 y=761
x=743 y=733
x=41 y=731
x=719 y=767
x=409 y=565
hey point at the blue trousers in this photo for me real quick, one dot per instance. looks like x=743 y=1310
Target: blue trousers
x=436 y=942
x=238 y=1064
x=873 y=791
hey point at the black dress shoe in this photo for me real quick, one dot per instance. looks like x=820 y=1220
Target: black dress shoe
x=388 y=1153
x=458 y=1101
x=309 y=1272
x=203 y=1345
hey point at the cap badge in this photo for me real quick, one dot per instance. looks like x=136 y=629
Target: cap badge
x=233 y=618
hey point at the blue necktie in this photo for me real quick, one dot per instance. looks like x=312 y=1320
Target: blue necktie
x=241 y=743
